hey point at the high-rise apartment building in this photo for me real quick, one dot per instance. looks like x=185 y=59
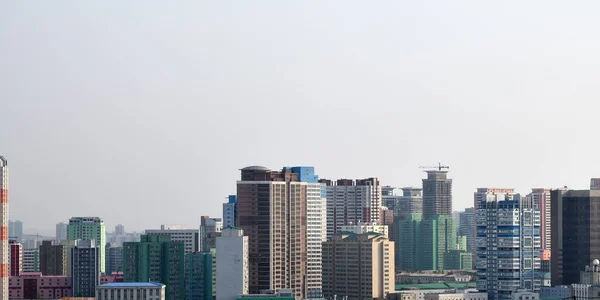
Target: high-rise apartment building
x=467 y=228
x=232 y=264
x=438 y=234
x=16 y=258
x=61 y=232
x=541 y=198
x=114 y=259
x=209 y=226
x=230 y=212
x=177 y=233
x=280 y=212
x=408 y=238
x=31 y=260
x=508 y=245
x=352 y=201
x=4 y=248
x=482 y=195
x=198 y=276
x=89 y=228
x=53 y=259
x=386 y=216
x=437 y=194
x=595 y=184
x=409 y=201
x=575 y=233
x=15 y=230
x=358 y=266
x=85 y=270
x=156 y=259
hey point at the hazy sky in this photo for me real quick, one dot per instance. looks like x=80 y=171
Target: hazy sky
x=143 y=112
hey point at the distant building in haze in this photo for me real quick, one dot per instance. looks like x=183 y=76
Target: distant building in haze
x=15 y=230
x=467 y=228
x=114 y=259
x=61 y=232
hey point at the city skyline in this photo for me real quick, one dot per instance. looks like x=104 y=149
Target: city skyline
x=106 y=109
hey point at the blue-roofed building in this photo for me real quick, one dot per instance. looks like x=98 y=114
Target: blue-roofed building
x=131 y=290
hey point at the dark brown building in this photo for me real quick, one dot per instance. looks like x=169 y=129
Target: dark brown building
x=53 y=259
x=575 y=233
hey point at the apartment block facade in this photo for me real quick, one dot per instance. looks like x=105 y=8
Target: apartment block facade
x=89 y=228
x=358 y=266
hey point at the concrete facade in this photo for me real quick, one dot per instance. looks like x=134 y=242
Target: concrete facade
x=232 y=264
x=130 y=291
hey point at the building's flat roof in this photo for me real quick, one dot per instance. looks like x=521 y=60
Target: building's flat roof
x=434 y=286
x=132 y=284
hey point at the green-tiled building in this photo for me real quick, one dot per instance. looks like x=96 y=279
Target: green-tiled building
x=199 y=276
x=458 y=260
x=422 y=243
x=156 y=259
x=89 y=228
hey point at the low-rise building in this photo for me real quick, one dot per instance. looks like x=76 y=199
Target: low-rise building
x=560 y=291
x=525 y=295
x=366 y=227
x=131 y=290
x=456 y=296
x=37 y=286
x=114 y=277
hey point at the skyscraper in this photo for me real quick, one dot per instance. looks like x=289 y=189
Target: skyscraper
x=575 y=233
x=467 y=228
x=114 y=259
x=4 y=273
x=156 y=259
x=508 y=245
x=409 y=242
x=85 y=271
x=230 y=212
x=61 y=232
x=437 y=193
x=438 y=236
x=89 y=228
x=541 y=198
x=209 y=225
x=15 y=230
x=282 y=217
x=352 y=201
x=232 y=264
x=359 y=266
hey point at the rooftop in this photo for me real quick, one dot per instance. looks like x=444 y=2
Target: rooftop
x=255 y=168
x=434 y=286
x=132 y=284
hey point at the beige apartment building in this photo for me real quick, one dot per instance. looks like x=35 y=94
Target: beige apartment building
x=358 y=266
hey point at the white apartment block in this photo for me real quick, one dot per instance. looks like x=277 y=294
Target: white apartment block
x=189 y=237
x=457 y=296
x=131 y=290
x=232 y=264
x=367 y=227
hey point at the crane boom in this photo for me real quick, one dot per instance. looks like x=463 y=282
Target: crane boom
x=439 y=167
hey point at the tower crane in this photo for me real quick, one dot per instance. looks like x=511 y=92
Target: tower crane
x=439 y=167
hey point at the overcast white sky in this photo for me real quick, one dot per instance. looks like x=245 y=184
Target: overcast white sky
x=142 y=112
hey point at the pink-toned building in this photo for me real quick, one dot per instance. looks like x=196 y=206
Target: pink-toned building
x=113 y=277
x=37 y=286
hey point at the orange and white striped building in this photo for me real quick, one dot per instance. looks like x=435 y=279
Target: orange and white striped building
x=3 y=228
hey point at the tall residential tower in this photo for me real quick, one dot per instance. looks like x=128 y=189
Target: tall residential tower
x=89 y=228
x=281 y=213
x=4 y=237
